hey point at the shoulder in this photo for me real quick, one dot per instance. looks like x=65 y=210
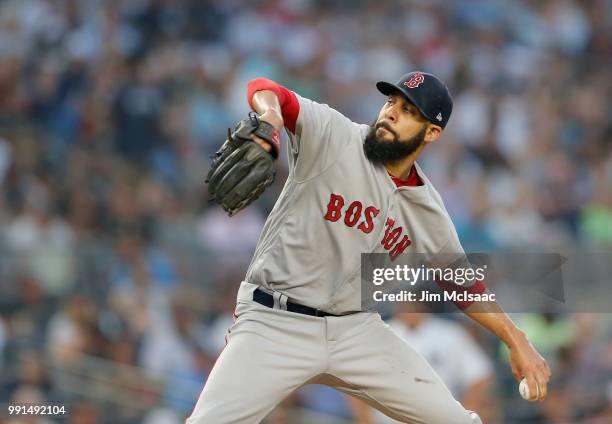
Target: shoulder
x=321 y=112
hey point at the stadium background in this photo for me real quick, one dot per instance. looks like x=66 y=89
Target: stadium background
x=117 y=277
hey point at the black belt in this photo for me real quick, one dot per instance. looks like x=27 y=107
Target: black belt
x=266 y=299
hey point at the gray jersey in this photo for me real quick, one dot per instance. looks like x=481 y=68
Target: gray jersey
x=335 y=205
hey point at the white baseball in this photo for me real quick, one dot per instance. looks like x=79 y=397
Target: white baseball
x=524 y=389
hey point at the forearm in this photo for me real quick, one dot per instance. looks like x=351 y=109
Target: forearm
x=491 y=316
x=267 y=106
x=279 y=104
x=525 y=361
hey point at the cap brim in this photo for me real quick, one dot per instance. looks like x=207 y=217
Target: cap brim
x=387 y=88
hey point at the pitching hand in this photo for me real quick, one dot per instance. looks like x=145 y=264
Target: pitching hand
x=526 y=362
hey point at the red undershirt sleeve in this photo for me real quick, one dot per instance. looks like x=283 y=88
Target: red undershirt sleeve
x=290 y=106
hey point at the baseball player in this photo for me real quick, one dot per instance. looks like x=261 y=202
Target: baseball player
x=351 y=189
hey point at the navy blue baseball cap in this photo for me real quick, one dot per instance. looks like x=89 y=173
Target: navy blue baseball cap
x=426 y=91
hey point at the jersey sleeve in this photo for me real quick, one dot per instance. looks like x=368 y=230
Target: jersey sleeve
x=321 y=134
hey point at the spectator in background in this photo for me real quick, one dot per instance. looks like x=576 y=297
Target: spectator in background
x=232 y=240
x=136 y=113
x=31 y=378
x=41 y=239
x=71 y=330
x=84 y=412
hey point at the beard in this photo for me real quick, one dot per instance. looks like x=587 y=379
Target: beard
x=378 y=150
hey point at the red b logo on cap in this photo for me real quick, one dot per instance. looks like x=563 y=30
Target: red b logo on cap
x=415 y=81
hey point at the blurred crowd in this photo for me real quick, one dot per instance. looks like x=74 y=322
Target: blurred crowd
x=117 y=277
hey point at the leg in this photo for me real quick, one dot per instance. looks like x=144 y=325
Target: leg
x=377 y=366
x=269 y=354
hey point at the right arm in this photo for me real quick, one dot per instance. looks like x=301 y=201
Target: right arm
x=274 y=104
x=267 y=106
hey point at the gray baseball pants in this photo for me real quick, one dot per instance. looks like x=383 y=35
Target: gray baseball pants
x=272 y=352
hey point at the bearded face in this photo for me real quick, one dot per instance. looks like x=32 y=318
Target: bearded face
x=384 y=151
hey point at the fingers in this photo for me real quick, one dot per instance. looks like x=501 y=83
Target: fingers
x=534 y=388
x=542 y=387
x=537 y=380
x=263 y=143
x=543 y=377
x=526 y=362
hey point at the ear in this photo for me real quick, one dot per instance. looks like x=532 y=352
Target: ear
x=433 y=132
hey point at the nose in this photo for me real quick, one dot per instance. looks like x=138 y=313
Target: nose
x=391 y=113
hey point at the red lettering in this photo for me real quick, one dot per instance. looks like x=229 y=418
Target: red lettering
x=353 y=213
x=400 y=247
x=393 y=236
x=334 y=207
x=368 y=225
x=389 y=225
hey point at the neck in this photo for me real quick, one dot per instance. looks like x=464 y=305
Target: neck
x=401 y=169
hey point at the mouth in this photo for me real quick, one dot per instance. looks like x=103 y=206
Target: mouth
x=384 y=127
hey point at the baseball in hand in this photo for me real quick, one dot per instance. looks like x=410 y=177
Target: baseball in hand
x=524 y=389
